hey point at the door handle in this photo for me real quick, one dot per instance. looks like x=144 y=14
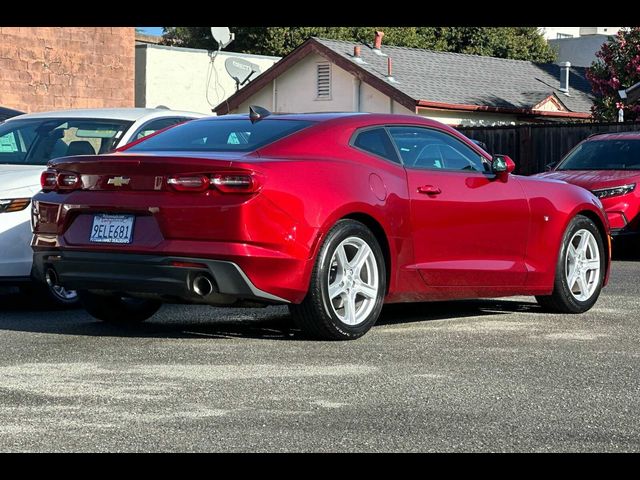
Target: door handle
x=429 y=190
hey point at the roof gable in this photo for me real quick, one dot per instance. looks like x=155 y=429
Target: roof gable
x=448 y=80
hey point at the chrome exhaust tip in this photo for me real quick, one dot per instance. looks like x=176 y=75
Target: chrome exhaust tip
x=202 y=285
x=51 y=277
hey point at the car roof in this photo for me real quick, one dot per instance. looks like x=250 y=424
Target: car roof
x=310 y=116
x=130 y=114
x=342 y=118
x=633 y=135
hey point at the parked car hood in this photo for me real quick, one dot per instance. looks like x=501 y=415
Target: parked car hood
x=594 y=179
x=13 y=177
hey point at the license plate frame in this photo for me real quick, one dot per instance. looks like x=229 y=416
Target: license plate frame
x=118 y=229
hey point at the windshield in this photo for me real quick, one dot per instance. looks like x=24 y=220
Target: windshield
x=604 y=155
x=238 y=135
x=36 y=141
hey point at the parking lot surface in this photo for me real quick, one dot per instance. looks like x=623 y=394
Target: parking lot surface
x=481 y=375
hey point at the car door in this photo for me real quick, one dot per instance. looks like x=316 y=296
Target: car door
x=469 y=228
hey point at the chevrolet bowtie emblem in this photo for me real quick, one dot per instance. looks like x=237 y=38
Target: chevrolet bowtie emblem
x=118 y=181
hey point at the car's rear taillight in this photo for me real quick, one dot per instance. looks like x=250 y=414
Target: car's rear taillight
x=53 y=180
x=68 y=181
x=235 y=182
x=231 y=182
x=49 y=180
x=189 y=183
x=14 y=204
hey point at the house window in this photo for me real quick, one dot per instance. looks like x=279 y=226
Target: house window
x=323 y=83
x=564 y=35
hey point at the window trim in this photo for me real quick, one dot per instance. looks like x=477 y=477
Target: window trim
x=357 y=132
x=426 y=127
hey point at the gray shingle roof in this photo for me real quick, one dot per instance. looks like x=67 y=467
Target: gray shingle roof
x=456 y=78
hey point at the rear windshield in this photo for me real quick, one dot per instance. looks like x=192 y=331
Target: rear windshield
x=604 y=155
x=239 y=135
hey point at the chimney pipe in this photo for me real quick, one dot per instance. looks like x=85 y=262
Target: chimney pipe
x=377 y=44
x=564 y=77
x=390 y=71
x=356 y=51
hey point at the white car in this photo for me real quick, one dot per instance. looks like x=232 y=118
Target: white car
x=28 y=142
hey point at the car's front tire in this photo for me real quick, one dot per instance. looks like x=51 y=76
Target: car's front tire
x=117 y=309
x=348 y=285
x=580 y=269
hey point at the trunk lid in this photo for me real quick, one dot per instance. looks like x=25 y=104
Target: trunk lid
x=140 y=172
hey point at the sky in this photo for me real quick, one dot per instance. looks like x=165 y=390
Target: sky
x=151 y=30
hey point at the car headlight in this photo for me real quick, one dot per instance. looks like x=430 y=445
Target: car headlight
x=615 y=191
x=14 y=204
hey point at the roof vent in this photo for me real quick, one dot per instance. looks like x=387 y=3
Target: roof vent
x=390 y=77
x=377 y=43
x=323 y=85
x=564 y=77
x=356 y=55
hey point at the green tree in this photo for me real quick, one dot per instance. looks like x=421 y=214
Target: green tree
x=521 y=43
x=617 y=66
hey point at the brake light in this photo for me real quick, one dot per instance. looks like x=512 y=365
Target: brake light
x=68 y=181
x=235 y=182
x=48 y=180
x=189 y=183
x=232 y=182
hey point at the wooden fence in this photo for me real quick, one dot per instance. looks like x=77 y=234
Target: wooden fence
x=532 y=146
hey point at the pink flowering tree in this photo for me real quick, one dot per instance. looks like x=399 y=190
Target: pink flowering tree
x=617 y=67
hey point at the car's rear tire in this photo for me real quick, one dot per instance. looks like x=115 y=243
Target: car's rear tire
x=348 y=285
x=117 y=309
x=580 y=269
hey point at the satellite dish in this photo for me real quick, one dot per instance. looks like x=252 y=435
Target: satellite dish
x=241 y=70
x=222 y=35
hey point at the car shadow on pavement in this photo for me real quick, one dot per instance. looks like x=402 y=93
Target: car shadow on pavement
x=429 y=311
x=17 y=313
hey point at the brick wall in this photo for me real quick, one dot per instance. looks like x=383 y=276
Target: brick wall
x=51 y=68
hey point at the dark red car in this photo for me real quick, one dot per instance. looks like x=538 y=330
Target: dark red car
x=609 y=166
x=331 y=214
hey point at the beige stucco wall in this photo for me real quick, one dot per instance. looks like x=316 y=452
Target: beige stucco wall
x=295 y=91
x=177 y=77
x=296 y=88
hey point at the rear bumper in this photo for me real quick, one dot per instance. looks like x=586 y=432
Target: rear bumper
x=151 y=276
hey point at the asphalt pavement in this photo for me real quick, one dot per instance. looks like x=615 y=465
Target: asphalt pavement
x=483 y=375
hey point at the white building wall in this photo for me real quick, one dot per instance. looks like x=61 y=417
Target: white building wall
x=178 y=78
x=551 y=33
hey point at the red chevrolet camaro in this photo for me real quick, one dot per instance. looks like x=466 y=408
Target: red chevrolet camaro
x=332 y=214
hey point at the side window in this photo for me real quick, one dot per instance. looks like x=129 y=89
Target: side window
x=155 y=125
x=429 y=148
x=376 y=141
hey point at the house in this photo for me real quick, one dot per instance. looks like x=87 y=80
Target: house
x=457 y=89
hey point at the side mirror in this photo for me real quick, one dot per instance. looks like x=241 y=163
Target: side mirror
x=549 y=166
x=502 y=165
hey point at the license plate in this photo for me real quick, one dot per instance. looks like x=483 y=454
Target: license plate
x=112 y=228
